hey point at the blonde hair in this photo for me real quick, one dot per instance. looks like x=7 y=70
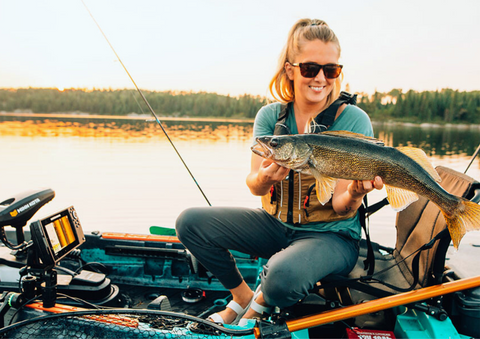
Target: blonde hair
x=281 y=87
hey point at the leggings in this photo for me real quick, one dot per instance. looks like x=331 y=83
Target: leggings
x=296 y=259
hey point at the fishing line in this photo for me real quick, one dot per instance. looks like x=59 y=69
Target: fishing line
x=148 y=104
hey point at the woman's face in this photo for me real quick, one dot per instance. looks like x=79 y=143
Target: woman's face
x=313 y=91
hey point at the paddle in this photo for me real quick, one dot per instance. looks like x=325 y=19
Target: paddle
x=378 y=304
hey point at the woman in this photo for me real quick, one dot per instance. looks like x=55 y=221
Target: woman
x=302 y=247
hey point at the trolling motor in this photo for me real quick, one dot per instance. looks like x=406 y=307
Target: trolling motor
x=16 y=212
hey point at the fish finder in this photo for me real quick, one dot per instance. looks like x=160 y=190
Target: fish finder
x=55 y=236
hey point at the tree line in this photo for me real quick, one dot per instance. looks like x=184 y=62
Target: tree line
x=444 y=106
x=126 y=101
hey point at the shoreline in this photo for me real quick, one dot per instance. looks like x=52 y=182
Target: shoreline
x=211 y=119
x=121 y=117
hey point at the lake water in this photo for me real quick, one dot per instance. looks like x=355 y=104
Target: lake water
x=123 y=174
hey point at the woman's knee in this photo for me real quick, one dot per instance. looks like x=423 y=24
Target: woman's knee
x=187 y=221
x=282 y=287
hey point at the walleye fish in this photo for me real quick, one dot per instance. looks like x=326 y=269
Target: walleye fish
x=406 y=171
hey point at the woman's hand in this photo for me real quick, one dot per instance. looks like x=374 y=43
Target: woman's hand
x=264 y=173
x=358 y=188
x=269 y=172
x=348 y=194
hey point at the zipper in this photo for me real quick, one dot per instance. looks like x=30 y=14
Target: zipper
x=291 y=191
x=299 y=198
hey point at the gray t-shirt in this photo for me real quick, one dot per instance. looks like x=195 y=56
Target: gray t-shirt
x=352 y=119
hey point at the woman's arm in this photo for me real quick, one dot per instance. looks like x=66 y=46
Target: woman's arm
x=263 y=174
x=348 y=194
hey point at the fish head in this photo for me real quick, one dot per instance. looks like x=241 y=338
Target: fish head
x=285 y=150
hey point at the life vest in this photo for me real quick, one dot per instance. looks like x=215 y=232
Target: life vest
x=293 y=200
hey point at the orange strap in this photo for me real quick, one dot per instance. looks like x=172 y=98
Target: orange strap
x=108 y=318
x=139 y=237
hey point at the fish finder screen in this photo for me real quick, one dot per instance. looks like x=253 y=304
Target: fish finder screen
x=60 y=233
x=54 y=237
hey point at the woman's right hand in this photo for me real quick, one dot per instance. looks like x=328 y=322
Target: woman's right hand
x=270 y=172
x=264 y=173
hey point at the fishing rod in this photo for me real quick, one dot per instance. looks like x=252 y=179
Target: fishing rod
x=148 y=104
x=473 y=158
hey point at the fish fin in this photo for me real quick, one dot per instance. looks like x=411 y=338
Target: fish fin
x=325 y=189
x=421 y=158
x=466 y=218
x=324 y=186
x=353 y=135
x=400 y=198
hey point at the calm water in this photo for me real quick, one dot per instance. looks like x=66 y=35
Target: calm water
x=123 y=175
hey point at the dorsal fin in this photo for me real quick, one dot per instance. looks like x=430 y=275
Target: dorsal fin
x=421 y=158
x=352 y=135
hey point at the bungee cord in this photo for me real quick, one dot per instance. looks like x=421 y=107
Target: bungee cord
x=147 y=103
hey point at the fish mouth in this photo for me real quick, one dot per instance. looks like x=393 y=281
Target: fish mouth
x=262 y=149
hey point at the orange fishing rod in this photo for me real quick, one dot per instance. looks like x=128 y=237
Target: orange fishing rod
x=379 y=304
x=148 y=104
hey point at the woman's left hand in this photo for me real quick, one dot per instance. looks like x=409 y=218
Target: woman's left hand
x=358 y=188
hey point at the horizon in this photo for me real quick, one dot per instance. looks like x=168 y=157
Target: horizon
x=230 y=48
x=177 y=92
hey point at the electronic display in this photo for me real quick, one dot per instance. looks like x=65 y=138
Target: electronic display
x=56 y=236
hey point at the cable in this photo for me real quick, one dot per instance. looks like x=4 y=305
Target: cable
x=81 y=301
x=22 y=306
x=93 y=263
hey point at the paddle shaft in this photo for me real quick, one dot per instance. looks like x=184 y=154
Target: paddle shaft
x=382 y=304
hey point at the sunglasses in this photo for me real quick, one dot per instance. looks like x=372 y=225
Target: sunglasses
x=310 y=70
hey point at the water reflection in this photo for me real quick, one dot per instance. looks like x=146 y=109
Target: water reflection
x=138 y=130
x=434 y=140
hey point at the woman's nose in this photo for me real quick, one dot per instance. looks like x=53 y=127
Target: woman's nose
x=320 y=76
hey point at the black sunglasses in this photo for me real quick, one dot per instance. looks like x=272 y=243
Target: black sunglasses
x=311 y=69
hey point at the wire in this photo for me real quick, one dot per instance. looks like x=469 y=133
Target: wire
x=22 y=306
x=81 y=301
x=93 y=263
x=148 y=104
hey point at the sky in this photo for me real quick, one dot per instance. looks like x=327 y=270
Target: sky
x=232 y=47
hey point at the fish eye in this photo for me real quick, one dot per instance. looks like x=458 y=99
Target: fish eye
x=274 y=143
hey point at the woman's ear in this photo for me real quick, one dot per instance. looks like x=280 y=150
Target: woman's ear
x=289 y=70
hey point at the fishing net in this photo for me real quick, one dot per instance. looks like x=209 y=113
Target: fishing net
x=124 y=323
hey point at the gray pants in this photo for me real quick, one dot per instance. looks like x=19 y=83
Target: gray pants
x=297 y=259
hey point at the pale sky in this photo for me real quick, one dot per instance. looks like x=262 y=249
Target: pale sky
x=232 y=47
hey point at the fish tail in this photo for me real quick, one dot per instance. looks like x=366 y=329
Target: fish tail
x=465 y=218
